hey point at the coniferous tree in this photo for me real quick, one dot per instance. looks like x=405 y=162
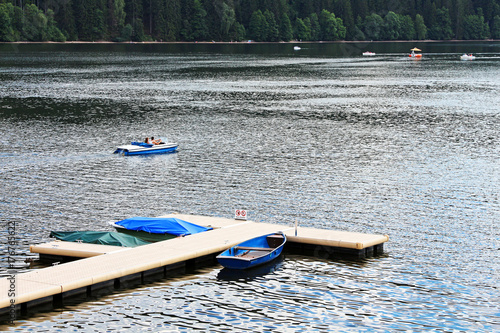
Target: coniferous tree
x=53 y=32
x=173 y=19
x=34 y=24
x=315 y=27
x=238 y=33
x=126 y=33
x=138 y=31
x=65 y=19
x=227 y=20
x=307 y=23
x=301 y=31
x=420 y=27
x=474 y=27
x=186 y=30
x=407 y=28
x=7 y=33
x=392 y=26
x=495 y=28
x=84 y=17
x=344 y=11
x=286 y=32
x=257 y=27
x=331 y=27
x=159 y=20
x=441 y=29
x=117 y=15
x=17 y=20
x=272 y=34
x=199 y=25
x=373 y=27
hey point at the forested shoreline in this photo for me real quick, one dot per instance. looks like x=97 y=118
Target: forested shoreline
x=241 y=20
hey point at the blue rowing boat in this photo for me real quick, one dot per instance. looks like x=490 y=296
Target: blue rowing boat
x=253 y=252
x=141 y=148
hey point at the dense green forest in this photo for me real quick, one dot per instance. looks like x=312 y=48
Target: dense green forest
x=239 y=20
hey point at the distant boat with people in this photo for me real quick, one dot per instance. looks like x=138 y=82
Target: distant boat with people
x=468 y=56
x=415 y=55
x=149 y=146
x=368 y=53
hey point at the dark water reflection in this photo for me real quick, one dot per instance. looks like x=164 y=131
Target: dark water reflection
x=323 y=136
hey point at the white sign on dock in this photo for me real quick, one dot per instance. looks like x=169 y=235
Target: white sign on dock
x=240 y=214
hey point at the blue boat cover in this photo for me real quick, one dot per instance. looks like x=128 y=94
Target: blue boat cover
x=161 y=225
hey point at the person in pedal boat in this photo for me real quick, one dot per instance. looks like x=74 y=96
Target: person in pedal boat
x=155 y=142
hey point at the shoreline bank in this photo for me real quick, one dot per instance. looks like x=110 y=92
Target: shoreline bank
x=253 y=42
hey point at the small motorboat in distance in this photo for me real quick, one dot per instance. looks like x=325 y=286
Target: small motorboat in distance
x=296 y=48
x=368 y=53
x=141 y=148
x=466 y=56
x=253 y=252
x=154 y=229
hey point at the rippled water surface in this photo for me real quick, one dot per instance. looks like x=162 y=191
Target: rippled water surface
x=322 y=136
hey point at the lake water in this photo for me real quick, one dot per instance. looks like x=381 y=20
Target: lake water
x=322 y=136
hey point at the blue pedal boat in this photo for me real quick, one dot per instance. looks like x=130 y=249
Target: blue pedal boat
x=141 y=148
x=253 y=252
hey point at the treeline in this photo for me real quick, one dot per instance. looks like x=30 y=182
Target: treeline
x=239 y=20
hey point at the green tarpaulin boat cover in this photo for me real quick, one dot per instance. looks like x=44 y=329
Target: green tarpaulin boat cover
x=99 y=237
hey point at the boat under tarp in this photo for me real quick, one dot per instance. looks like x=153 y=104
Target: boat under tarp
x=99 y=237
x=157 y=228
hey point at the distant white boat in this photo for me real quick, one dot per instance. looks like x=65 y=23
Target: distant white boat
x=467 y=57
x=368 y=53
x=296 y=48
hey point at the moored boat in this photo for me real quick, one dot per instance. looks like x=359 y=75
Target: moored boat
x=154 y=229
x=253 y=252
x=141 y=148
x=98 y=237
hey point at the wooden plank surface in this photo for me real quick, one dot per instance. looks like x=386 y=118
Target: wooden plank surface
x=74 y=249
x=344 y=239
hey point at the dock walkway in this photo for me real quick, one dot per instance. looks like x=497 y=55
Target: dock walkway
x=57 y=280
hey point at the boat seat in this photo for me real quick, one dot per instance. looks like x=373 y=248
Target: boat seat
x=254 y=248
x=275 y=240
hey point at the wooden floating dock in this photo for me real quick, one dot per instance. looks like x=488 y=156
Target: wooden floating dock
x=103 y=265
x=61 y=250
